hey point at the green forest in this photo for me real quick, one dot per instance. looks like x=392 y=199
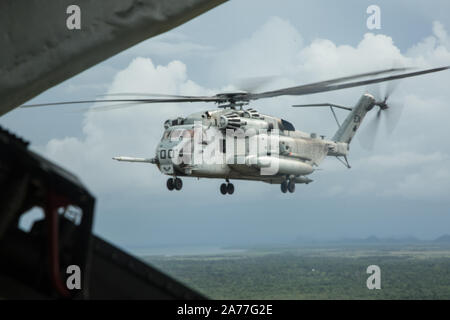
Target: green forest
x=407 y=272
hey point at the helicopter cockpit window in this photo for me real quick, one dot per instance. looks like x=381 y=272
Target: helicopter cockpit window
x=166 y=134
x=287 y=125
x=178 y=134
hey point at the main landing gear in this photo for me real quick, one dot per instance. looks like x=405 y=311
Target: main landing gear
x=176 y=184
x=226 y=188
x=288 y=185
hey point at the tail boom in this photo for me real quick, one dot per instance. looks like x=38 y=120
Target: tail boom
x=351 y=124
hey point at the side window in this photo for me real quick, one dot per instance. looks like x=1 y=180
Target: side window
x=247 y=145
x=224 y=146
x=162 y=154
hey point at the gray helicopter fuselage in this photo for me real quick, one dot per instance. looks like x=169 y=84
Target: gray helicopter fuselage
x=240 y=144
x=279 y=151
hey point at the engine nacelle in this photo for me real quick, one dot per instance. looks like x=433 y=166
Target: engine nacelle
x=230 y=121
x=251 y=113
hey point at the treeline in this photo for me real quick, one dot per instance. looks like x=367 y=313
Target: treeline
x=292 y=276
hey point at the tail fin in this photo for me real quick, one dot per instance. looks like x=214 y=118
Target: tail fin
x=348 y=129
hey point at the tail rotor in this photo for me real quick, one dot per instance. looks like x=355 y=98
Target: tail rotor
x=391 y=112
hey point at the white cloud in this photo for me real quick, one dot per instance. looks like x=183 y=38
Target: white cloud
x=403 y=160
x=433 y=50
x=327 y=59
x=409 y=175
x=429 y=182
x=270 y=50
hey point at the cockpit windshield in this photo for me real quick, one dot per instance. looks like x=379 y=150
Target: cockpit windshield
x=286 y=125
x=177 y=134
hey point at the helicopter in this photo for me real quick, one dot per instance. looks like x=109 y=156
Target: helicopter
x=232 y=142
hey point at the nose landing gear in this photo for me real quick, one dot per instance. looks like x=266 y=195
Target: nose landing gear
x=176 y=184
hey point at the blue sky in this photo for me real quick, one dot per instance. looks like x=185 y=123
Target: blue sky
x=399 y=188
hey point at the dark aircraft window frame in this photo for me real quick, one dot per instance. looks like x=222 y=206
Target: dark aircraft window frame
x=162 y=154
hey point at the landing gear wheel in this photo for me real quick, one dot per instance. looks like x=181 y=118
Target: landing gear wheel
x=284 y=186
x=230 y=188
x=291 y=186
x=178 y=184
x=223 y=188
x=170 y=184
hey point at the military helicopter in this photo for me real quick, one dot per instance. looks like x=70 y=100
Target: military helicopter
x=235 y=143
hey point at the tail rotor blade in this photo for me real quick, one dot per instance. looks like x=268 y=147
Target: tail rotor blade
x=394 y=110
x=369 y=133
x=393 y=115
x=390 y=88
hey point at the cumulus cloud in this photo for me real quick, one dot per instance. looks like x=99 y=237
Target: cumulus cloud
x=433 y=49
x=404 y=159
x=270 y=50
x=409 y=175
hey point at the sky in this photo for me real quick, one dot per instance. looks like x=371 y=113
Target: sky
x=399 y=188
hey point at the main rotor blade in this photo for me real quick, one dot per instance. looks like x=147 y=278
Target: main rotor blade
x=198 y=99
x=143 y=94
x=356 y=76
x=317 y=87
x=252 y=83
x=109 y=107
x=346 y=78
x=321 y=105
x=320 y=87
